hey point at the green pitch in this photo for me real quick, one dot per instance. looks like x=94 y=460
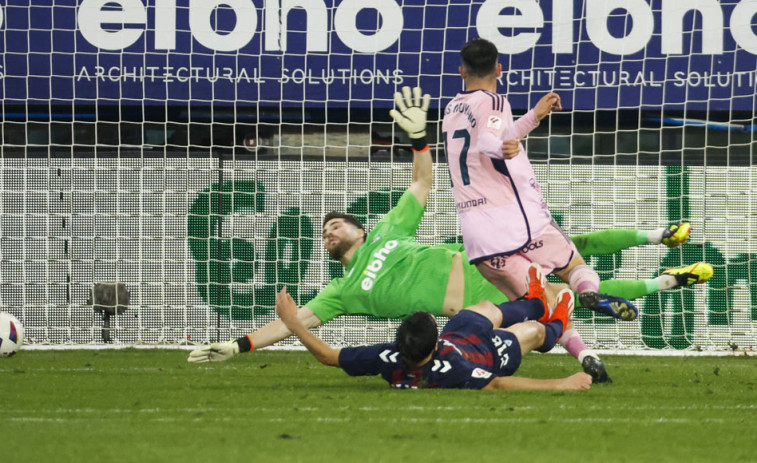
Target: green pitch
x=152 y=406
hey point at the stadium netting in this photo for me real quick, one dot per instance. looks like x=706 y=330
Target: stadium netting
x=188 y=150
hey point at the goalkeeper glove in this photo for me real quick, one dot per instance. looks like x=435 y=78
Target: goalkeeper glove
x=216 y=352
x=412 y=111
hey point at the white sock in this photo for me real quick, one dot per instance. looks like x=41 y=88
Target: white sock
x=666 y=282
x=655 y=236
x=587 y=353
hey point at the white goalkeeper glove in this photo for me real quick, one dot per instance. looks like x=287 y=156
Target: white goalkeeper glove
x=412 y=111
x=216 y=352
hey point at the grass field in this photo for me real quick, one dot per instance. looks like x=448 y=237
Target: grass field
x=151 y=405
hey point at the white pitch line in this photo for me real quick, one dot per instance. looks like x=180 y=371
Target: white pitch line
x=246 y=410
x=410 y=420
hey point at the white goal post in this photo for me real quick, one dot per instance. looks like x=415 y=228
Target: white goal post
x=188 y=149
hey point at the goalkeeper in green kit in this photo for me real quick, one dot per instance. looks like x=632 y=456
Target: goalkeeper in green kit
x=389 y=274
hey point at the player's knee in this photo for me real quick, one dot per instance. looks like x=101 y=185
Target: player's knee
x=488 y=310
x=534 y=334
x=531 y=335
x=539 y=334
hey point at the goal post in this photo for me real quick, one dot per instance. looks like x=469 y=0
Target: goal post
x=188 y=150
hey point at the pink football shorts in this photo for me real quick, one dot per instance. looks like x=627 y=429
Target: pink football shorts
x=553 y=250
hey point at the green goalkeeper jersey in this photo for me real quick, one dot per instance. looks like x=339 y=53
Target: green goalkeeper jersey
x=391 y=275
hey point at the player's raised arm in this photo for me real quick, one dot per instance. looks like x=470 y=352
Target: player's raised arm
x=548 y=103
x=287 y=310
x=410 y=115
x=524 y=125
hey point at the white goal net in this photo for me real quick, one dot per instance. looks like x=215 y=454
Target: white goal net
x=186 y=152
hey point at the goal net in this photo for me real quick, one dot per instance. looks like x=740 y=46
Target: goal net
x=166 y=164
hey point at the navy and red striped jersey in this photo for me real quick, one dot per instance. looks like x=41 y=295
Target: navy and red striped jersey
x=470 y=353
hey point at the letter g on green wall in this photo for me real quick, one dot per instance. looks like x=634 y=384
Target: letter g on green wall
x=225 y=267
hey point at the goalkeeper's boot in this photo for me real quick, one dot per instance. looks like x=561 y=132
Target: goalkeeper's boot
x=613 y=306
x=677 y=234
x=596 y=369
x=691 y=274
x=564 y=308
x=536 y=281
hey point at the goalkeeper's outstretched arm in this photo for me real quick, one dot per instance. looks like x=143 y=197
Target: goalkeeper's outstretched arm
x=267 y=335
x=410 y=115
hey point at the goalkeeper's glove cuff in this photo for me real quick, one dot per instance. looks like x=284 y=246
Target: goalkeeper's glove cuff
x=245 y=344
x=419 y=144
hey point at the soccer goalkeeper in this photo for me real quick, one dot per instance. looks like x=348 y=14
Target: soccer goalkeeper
x=389 y=274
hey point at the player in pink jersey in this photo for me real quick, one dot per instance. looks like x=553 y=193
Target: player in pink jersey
x=505 y=221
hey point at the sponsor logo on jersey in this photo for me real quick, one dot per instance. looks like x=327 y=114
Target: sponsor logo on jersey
x=442 y=366
x=532 y=246
x=387 y=356
x=494 y=122
x=470 y=203
x=372 y=269
x=480 y=373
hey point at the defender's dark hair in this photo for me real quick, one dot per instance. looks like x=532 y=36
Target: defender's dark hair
x=417 y=336
x=348 y=218
x=479 y=57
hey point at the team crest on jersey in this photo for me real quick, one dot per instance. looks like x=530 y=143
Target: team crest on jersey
x=494 y=122
x=498 y=262
x=480 y=373
x=376 y=238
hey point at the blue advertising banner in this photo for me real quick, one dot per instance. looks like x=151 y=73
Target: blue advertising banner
x=598 y=54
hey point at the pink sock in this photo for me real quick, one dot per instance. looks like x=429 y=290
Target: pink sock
x=572 y=342
x=583 y=278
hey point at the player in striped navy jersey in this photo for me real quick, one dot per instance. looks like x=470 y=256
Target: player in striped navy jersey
x=477 y=349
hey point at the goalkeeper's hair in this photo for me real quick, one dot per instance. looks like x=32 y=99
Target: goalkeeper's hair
x=348 y=218
x=417 y=337
x=479 y=57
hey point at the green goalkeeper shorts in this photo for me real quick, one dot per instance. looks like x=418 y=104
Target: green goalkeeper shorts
x=478 y=288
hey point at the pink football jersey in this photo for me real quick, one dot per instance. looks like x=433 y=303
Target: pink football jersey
x=499 y=201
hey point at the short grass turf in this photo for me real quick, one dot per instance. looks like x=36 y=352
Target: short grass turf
x=151 y=405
